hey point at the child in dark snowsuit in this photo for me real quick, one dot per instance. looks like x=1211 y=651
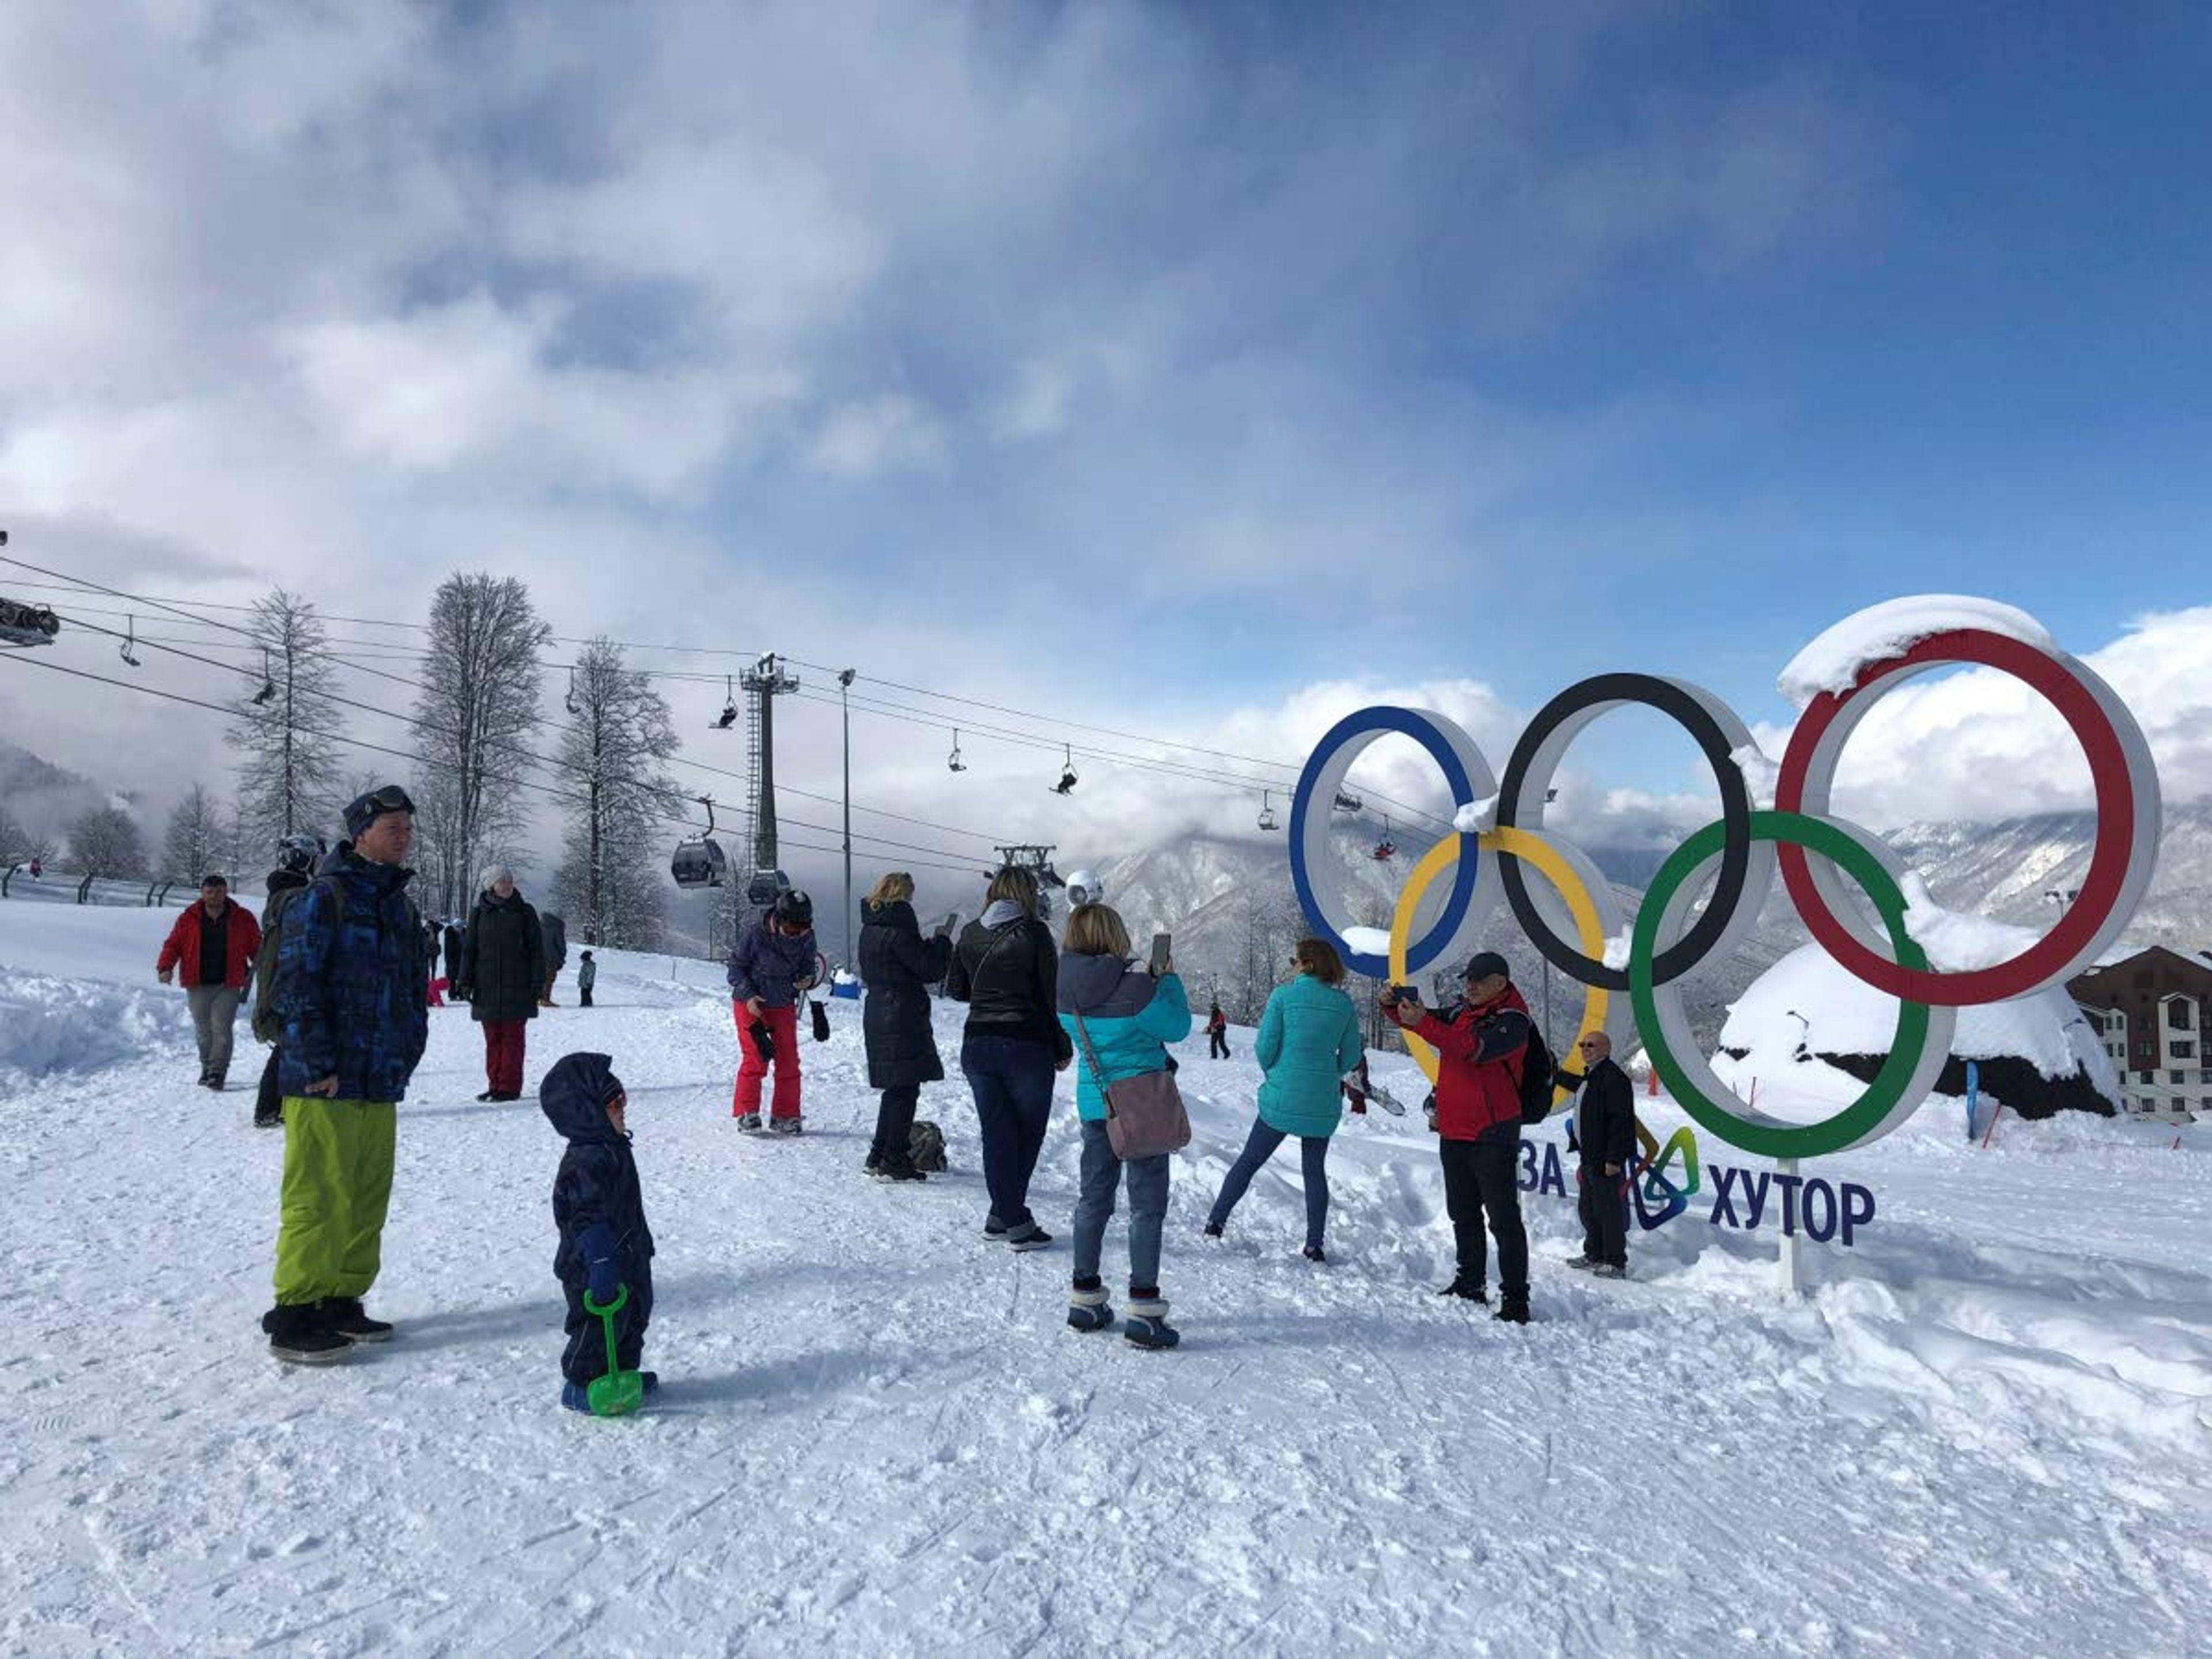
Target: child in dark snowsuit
x=600 y=1211
x=587 y=976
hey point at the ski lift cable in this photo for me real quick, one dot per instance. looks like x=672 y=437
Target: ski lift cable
x=531 y=756
x=963 y=868
x=925 y=718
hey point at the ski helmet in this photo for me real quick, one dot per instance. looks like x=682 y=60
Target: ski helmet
x=299 y=853
x=793 y=906
x=1084 y=887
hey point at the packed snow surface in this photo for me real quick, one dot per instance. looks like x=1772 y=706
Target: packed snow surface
x=1833 y=661
x=1986 y=1428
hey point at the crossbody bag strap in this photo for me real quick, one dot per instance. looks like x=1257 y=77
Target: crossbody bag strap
x=1098 y=1072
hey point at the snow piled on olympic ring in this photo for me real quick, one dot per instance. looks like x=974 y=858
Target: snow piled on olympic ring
x=1834 y=660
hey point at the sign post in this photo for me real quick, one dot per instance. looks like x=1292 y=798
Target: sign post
x=1792 y=1279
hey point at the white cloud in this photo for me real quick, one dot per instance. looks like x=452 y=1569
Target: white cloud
x=888 y=432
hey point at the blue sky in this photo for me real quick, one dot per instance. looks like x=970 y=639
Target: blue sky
x=1144 y=364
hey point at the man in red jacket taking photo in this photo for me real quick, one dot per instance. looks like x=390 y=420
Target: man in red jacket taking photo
x=212 y=946
x=1481 y=1045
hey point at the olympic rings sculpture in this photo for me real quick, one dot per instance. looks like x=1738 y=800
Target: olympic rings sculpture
x=1571 y=916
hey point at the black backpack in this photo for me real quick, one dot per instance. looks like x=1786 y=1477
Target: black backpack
x=1537 y=1069
x=267 y=1027
x=926 y=1146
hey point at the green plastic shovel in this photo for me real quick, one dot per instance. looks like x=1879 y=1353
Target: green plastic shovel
x=619 y=1392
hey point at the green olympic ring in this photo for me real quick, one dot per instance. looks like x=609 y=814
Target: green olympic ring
x=1905 y=1076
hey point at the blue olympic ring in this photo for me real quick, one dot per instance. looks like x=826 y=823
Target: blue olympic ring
x=1368 y=724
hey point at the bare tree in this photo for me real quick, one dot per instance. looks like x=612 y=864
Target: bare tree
x=479 y=703
x=105 y=842
x=195 y=842
x=619 y=733
x=288 y=766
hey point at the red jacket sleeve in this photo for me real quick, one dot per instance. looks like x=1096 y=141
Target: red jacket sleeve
x=172 y=948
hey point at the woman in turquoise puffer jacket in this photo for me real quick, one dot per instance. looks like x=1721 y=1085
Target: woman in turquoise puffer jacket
x=1309 y=1039
x=1128 y=1017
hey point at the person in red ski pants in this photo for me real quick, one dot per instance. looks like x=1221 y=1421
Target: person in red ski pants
x=772 y=967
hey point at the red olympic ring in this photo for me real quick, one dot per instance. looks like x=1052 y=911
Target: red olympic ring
x=2102 y=889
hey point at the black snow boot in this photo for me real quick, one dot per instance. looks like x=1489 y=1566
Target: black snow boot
x=297 y=1335
x=344 y=1315
x=1466 y=1291
x=1512 y=1310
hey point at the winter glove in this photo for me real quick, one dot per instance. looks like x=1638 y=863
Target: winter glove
x=820 y=1022
x=763 y=1041
x=602 y=1267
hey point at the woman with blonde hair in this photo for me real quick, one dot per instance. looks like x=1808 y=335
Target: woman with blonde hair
x=1122 y=1020
x=1309 y=1039
x=1006 y=969
x=898 y=966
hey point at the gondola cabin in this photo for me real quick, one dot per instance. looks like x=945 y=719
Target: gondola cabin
x=699 y=862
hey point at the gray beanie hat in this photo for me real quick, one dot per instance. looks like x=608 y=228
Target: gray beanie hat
x=490 y=878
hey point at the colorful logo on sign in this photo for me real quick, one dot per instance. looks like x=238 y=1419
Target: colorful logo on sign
x=1570 y=915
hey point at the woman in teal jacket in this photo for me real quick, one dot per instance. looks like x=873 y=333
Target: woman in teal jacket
x=1309 y=1039
x=1128 y=1017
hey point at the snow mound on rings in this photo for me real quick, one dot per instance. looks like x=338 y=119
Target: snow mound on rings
x=52 y=1026
x=1834 y=662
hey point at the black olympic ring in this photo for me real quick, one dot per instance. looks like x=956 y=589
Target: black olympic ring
x=1673 y=701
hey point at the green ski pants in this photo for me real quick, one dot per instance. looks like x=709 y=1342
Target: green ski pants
x=338 y=1186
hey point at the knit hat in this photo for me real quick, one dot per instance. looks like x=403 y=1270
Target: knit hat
x=1483 y=963
x=493 y=875
x=364 y=809
x=614 y=1091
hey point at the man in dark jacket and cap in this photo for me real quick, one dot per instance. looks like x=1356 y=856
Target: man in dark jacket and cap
x=771 y=965
x=1605 y=1126
x=350 y=994
x=1481 y=1045
x=599 y=1207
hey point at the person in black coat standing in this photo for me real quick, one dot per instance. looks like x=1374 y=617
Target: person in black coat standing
x=898 y=966
x=453 y=962
x=1605 y=1124
x=502 y=971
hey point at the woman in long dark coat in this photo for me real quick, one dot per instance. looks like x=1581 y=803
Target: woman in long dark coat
x=898 y=967
x=503 y=973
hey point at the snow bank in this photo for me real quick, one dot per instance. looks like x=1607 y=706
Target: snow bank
x=51 y=1026
x=1833 y=661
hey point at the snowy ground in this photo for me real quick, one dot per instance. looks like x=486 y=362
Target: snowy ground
x=1987 y=1429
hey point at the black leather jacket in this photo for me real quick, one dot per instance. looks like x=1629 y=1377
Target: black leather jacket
x=1009 y=977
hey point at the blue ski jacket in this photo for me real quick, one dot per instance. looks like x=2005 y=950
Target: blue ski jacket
x=1130 y=1016
x=352 y=992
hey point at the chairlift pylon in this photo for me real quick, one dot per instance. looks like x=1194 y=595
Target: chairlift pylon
x=699 y=861
x=1266 y=812
x=953 y=762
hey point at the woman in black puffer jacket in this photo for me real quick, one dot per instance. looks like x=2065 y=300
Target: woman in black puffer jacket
x=502 y=975
x=898 y=967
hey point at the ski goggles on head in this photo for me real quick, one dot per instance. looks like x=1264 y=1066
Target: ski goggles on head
x=390 y=798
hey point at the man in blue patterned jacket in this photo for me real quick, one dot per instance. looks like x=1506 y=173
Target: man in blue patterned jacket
x=351 y=992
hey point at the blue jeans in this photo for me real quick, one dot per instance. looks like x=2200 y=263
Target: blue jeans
x=1313 y=1152
x=1148 y=1208
x=1012 y=1084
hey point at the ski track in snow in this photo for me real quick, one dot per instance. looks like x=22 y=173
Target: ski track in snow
x=1986 y=1429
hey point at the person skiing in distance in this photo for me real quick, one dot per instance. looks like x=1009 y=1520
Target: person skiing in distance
x=598 y=1210
x=1120 y=1020
x=555 y=932
x=213 y=944
x=1007 y=971
x=1481 y=1047
x=1217 y=1033
x=587 y=976
x=502 y=972
x=1605 y=1126
x=350 y=995
x=1309 y=1038
x=771 y=967
x=296 y=858
x=898 y=966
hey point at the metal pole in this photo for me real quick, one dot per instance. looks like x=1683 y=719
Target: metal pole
x=845 y=704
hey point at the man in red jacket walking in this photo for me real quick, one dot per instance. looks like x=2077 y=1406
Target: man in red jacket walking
x=212 y=946
x=1480 y=1045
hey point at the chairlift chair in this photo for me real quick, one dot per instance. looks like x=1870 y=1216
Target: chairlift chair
x=268 y=684
x=1346 y=802
x=1385 y=849
x=130 y=639
x=953 y=762
x=27 y=624
x=1067 y=778
x=1266 y=812
x=729 y=715
x=569 y=704
x=700 y=861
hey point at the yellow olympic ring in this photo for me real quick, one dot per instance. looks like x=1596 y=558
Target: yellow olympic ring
x=1512 y=843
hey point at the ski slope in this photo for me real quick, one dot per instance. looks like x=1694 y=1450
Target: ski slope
x=1986 y=1428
